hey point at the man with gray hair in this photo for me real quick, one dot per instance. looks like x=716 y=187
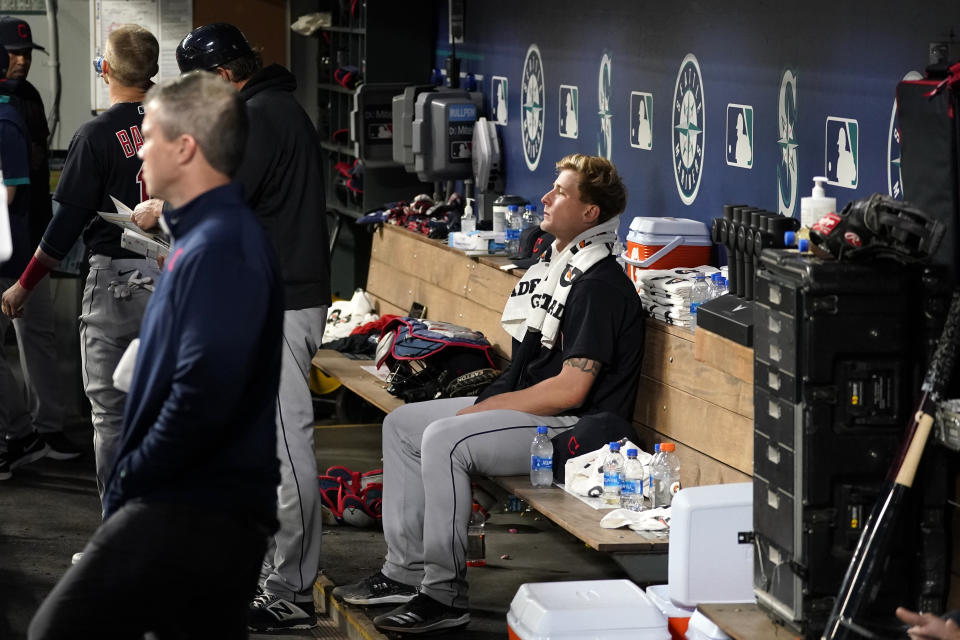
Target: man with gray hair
x=193 y=491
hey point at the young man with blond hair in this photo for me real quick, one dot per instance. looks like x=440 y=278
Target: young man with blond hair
x=578 y=336
x=193 y=492
x=102 y=162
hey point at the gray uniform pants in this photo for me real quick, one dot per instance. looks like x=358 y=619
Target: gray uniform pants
x=428 y=455
x=114 y=299
x=293 y=554
x=41 y=403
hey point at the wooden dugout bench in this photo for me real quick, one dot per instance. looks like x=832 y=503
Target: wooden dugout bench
x=703 y=405
x=695 y=390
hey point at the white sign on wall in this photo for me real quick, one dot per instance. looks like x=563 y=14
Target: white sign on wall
x=168 y=20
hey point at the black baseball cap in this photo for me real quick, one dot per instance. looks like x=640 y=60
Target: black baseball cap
x=15 y=34
x=534 y=242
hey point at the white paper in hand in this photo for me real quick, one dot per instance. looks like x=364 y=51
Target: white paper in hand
x=6 y=242
x=123 y=374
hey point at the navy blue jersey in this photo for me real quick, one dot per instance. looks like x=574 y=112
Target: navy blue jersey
x=15 y=160
x=101 y=162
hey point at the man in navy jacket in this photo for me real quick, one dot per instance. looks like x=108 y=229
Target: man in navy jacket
x=193 y=491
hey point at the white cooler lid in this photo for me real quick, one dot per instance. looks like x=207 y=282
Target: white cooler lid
x=669 y=226
x=585 y=608
x=659 y=240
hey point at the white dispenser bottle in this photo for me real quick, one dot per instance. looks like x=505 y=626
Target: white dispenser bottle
x=468 y=223
x=816 y=205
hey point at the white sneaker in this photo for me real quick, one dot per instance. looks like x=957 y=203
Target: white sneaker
x=76 y=557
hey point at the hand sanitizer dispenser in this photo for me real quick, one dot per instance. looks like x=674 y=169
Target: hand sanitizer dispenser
x=816 y=205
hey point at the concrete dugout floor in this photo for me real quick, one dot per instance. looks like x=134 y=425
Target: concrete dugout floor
x=49 y=509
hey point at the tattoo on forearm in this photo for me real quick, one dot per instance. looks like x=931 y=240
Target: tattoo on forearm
x=585 y=364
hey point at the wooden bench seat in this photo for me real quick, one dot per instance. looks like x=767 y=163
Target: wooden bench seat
x=565 y=510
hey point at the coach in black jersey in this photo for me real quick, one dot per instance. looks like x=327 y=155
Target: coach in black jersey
x=102 y=162
x=281 y=178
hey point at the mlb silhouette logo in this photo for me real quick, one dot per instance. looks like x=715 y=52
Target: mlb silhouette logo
x=740 y=136
x=569 y=111
x=641 y=120
x=498 y=91
x=841 y=147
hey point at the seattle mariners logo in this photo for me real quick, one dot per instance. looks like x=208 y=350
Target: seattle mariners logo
x=688 y=129
x=894 y=178
x=603 y=98
x=532 y=92
x=787 y=165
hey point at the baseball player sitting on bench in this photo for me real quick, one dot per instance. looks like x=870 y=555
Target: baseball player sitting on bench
x=578 y=331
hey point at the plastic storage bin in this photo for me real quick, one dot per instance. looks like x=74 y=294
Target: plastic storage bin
x=666 y=243
x=594 y=609
x=677 y=617
x=707 y=562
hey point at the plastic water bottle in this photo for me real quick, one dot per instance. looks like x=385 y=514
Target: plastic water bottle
x=514 y=225
x=667 y=480
x=541 y=459
x=650 y=467
x=699 y=293
x=631 y=492
x=612 y=475
x=476 y=545
x=468 y=222
x=530 y=217
x=716 y=286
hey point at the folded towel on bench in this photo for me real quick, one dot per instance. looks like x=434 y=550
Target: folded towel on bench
x=648 y=520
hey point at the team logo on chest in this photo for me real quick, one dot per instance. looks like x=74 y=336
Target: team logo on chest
x=787 y=142
x=532 y=92
x=688 y=129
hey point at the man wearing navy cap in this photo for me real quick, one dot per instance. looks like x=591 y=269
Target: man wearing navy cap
x=35 y=331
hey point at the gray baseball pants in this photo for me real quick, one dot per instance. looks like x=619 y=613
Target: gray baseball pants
x=42 y=406
x=293 y=553
x=428 y=455
x=114 y=299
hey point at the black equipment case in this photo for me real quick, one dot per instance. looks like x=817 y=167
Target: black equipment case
x=836 y=355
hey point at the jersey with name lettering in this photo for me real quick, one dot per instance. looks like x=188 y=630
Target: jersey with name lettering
x=102 y=162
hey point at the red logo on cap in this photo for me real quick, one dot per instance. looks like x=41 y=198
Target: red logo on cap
x=23 y=31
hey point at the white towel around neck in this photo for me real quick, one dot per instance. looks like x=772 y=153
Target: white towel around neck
x=539 y=299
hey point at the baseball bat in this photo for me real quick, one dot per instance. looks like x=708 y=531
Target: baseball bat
x=875 y=538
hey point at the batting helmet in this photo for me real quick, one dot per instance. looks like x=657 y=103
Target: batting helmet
x=210 y=46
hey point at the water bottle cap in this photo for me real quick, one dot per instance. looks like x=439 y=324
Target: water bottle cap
x=803 y=246
x=656 y=447
x=716 y=277
x=632 y=453
x=530 y=207
x=512 y=207
x=614 y=446
x=541 y=429
x=667 y=446
x=699 y=276
x=789 y=238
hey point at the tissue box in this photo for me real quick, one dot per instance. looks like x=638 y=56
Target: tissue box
x=478 y=242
